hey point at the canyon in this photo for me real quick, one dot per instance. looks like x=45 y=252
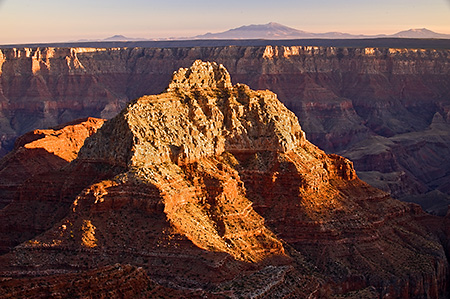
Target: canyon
x=208 y=189
x=387 y=109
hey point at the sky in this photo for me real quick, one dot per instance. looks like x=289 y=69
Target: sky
x=30 y=21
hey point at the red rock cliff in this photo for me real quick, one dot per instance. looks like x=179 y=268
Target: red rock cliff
x=343 y=96
x=37 y=154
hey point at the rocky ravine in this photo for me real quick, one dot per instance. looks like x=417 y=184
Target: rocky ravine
x=377 y=104
x=211 y=189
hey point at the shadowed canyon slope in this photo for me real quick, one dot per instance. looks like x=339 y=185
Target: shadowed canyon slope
x=41 y=151
x=377 y=106
x=211 y=189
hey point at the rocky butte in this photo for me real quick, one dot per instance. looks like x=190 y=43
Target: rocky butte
x=211 y=189
x=387 y=109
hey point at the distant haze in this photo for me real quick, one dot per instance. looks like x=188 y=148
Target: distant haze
x=27 y=21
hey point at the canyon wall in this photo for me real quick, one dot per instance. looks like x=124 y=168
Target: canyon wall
x=210 y=190
x=388 y=109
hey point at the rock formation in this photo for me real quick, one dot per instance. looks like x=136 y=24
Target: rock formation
x=116 y=281
x=211 y=189
x=36 y=154
x=419 y=159
x=342 y=96
x=41 y=151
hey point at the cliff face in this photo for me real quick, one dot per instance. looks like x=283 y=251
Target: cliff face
x=41 y=151
x=342 y=96
x=116 y=281
x=213 y=188
x=38 y=155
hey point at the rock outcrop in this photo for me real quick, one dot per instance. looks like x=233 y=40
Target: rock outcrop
x=213 y=188
x=38 y=157
x=42 y=151
x=342 y=96
x=116 y=281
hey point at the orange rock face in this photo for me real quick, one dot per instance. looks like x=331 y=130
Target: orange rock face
x=42 y=151
x=36 y=163
x=212 y=189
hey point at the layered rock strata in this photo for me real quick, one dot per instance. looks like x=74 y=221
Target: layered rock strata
x=213 y=187
x=342 y=96
x=39 y=157
x=42 y=151
x=116 y=281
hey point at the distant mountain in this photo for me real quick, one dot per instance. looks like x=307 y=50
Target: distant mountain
x=267 y=31
x=274 y=30
x=116 y=38
x=420 y=33
x=121 y=38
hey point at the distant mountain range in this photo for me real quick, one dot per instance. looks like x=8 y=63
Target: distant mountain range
x=276 y=31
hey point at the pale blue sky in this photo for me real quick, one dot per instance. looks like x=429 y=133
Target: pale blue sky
x=23 y=21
